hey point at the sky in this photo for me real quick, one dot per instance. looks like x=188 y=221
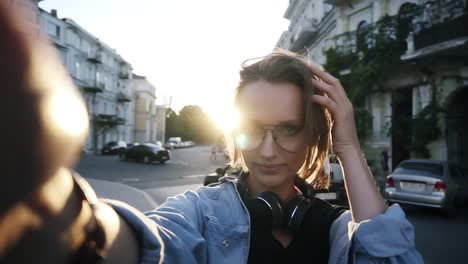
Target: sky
x=191 y=50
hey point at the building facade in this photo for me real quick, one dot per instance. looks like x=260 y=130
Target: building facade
x=150 y=119
x=431 y=73
x=102 y=76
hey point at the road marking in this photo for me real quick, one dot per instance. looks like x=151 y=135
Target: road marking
x=193 y=176
x=178 y=162
x=130 y=180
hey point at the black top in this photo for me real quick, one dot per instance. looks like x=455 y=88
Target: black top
x=310 y=243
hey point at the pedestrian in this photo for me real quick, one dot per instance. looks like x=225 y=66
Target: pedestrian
x=267 y=215
x=214 y=149
x=384 y=156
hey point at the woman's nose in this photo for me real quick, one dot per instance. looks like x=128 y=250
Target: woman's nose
x=268 y=146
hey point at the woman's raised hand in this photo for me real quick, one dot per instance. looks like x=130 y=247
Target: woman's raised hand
x=344 y=135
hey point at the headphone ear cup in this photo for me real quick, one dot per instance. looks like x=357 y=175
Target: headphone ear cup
x=295 y=212
x=271 y=202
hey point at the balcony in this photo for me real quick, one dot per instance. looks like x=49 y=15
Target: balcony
x=439 y=29
x=344 y=43
x=305 y=30
x=97 y=87
x=124 y=75
x=95 y=58
x=108 y=120
x=123 y=98
x=439 y=33
x=336 y=2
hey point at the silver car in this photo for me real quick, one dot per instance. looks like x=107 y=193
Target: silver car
x=428 y=183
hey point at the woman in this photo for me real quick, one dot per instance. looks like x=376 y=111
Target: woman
x=287 y=107
x=269 y=214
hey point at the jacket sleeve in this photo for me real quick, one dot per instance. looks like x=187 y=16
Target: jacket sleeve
x=169 y=234
x=388 y=238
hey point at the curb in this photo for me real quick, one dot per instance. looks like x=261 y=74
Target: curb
x=117 y=191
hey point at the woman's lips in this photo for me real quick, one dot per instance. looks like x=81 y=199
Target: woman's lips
x=269 y=168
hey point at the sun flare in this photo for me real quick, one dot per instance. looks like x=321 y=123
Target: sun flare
x=226 y=117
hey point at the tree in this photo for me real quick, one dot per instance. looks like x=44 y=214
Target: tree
x=191 y=123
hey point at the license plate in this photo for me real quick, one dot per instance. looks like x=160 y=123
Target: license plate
x=164 y=158
x=413 y=186
x=326 y=196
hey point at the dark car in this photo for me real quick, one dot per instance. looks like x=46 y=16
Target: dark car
x=220 y=172
x=147 y=153
x=113 y=148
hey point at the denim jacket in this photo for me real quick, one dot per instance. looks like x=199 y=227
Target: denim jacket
x=211 y=225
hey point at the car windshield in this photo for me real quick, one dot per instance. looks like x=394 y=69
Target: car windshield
x=420 y=169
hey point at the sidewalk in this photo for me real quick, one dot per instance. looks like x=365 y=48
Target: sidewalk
x=117 y=191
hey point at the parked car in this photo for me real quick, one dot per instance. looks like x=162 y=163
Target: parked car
x=113 y=148
x=175 y=141
x=428 y=183
x=132 y=144
x=219 y=172
x=146 y=153
x=169 y=145
x=336 y=193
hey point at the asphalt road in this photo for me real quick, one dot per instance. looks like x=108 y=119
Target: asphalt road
x=185 y=170
x=439 y=239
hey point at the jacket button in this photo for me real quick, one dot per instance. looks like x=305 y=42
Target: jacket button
x=225 y=243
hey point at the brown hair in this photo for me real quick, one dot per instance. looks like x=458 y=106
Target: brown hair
x=286 y=67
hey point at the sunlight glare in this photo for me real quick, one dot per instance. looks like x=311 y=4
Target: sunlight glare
x=225 y=118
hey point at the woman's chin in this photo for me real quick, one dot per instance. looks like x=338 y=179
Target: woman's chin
x=271 y=181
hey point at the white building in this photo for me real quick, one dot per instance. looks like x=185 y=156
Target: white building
x=102 y=75
x=435 y=60
x=150 y=119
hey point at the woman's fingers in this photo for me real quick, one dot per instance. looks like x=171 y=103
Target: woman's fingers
x=325 y=76
x=326 y=102
x=324 y=87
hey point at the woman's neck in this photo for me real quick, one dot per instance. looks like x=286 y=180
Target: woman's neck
x=285 y=191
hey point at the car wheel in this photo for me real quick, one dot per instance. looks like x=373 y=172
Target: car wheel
x=146 y=160
x=162 y=161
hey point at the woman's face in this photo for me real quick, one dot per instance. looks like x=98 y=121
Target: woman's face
x=273 y=104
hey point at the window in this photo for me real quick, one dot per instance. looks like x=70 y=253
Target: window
x=77 y=68
x=362 y=36
x=53 y=29
x=85 y=47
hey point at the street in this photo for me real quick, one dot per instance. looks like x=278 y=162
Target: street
x=184 y=171
x=438 y=238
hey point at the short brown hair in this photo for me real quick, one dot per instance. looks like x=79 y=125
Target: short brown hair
x=286 y=67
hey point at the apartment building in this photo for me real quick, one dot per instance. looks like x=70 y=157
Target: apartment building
x=431 y=69
x=101 y=74
x=150 y=119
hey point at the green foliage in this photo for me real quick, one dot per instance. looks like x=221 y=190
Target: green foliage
x=375 y=54
x=191 y=123
x=424 y=129
x=371 y=61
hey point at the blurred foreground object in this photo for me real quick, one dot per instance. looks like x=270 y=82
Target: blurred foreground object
x=42 y=111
